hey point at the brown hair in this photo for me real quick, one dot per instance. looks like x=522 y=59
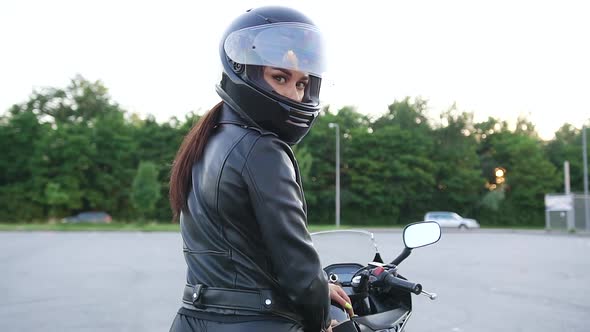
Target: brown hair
x=190 y=151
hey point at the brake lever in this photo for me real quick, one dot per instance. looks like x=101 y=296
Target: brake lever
x=432 y=296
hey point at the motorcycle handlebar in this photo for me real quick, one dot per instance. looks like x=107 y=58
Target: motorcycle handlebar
x=403 y=284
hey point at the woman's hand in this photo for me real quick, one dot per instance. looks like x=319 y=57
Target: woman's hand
x=333 y=323
x=338 y=295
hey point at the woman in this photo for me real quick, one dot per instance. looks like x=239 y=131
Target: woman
x=236 y=188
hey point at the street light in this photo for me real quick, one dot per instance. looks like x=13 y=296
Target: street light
x=585 y=157
x=500 y=172
x=335 y=125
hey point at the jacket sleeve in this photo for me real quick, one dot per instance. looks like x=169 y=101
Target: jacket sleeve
x=278 y=205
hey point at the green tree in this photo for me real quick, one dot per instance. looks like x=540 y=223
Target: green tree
x=81 y=101
x=567 y=145
x=112 y=164
x=459 y=179
x=66 y=154
x=20 y=132
x=56 y=198
x=158 y=143
x=390 y=166
x=529 y=176
x=525 y=127
x=146 y=189
x=305 y=161
x=75 y=139
x=71 y=149
x=319 y=181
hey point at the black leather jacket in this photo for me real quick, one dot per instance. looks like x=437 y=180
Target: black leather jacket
x=245 y=227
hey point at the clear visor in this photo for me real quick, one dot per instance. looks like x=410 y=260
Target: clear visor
x=293 y=46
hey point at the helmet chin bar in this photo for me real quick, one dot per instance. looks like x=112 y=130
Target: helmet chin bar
x=289 y=123
x=301 y=119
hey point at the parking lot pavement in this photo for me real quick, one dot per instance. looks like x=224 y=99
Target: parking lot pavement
x=487 y=280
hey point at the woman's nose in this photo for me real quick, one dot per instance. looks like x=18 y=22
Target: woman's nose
x=291 y=92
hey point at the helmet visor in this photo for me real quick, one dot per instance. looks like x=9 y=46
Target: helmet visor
x=293 y=46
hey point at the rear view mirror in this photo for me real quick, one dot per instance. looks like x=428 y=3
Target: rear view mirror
x=421 y=234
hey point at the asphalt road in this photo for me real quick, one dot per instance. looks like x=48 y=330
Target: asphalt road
x=103 y=281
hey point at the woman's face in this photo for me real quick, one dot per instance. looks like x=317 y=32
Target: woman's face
x=289 y=83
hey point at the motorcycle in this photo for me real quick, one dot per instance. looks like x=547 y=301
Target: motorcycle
x=381 y=297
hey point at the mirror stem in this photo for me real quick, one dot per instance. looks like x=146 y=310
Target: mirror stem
x=407 y=251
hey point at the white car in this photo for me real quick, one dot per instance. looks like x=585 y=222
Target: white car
x=450 y=219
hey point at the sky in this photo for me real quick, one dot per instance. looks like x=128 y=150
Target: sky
x=500 y=59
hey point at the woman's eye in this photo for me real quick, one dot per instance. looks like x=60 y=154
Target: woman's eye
x=280 y=79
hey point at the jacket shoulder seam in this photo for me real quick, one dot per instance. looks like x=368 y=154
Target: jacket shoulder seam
x=225 y=158
x=245 y=166
x=247 y=157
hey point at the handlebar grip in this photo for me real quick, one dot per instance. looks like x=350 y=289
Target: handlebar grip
x=403 y=284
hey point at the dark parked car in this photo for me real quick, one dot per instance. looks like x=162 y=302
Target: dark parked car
x=97 y=217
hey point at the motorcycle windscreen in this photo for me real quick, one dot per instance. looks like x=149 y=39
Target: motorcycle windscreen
x=345 y=246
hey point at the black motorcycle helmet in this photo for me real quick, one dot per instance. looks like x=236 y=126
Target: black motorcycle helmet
x=278 y=37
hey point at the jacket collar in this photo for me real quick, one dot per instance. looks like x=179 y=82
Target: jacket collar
x=229 y=115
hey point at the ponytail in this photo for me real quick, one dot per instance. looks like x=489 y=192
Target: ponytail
x=190 y=151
